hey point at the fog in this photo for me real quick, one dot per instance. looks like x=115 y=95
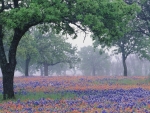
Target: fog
x=136 y=67
x=94 y=64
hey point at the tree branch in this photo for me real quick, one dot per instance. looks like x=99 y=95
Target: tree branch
x=16 y=5
x=141 y=31
x=52 y=64
x=3 y=59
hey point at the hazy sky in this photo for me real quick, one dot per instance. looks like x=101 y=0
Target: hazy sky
x=80 y=42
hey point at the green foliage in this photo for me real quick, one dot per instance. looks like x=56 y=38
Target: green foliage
x=142 y=28
x=101 y=17
x=132 y=41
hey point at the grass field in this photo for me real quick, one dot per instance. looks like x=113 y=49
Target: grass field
x=78 y=94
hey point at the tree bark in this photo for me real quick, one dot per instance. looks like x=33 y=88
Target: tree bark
x=45 y=69
x=27 y=66
x=41 y=69
x=16 y=4
x=8 y=80
x=7 y=70
x=124 y=65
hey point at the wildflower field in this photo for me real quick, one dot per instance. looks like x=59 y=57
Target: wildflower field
x=78 y=94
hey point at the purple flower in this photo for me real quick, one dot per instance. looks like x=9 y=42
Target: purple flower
x=104 y=111
x=36 y=103
x=40 y=109
x=100 y=106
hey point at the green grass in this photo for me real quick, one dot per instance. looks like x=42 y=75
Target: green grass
x=126 y=81
x=38 y=95
x=123 y=81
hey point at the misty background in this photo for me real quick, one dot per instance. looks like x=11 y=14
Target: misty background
x=93 y=62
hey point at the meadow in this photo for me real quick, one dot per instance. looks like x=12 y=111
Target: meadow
x=78 y=94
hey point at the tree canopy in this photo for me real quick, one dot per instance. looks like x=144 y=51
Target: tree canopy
x=102 y=17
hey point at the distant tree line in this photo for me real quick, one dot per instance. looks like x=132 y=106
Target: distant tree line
x=88 y=60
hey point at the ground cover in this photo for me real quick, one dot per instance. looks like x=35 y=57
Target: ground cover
x=78 y=94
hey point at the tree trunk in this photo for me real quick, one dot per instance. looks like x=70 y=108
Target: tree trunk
x=8 y=80
x=124 y=65
x=41 y=69
x=45 y=69
x=74 y=71
x=27 y=66
x=8 y=66
x=7 y=70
